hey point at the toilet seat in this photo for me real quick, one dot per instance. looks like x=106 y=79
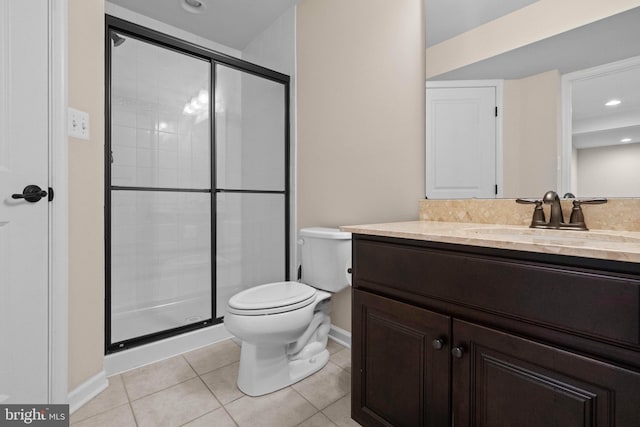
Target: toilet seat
x=271 y=298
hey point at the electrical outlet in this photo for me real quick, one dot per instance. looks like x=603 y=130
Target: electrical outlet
x=78 y=126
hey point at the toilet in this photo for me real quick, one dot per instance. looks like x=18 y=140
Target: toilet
x=284 y=326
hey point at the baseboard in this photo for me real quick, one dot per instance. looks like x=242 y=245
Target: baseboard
x=87 y=391
x=340 y=336
x=136 y=357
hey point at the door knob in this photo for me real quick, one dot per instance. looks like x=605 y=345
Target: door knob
x=31 y=193
x=457 y=352
x=438 y=343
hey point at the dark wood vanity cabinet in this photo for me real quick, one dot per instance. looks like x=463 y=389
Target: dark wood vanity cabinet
x=504 y=380
x=454 y=335
x=405 y=352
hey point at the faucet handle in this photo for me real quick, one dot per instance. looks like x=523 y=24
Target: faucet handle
x=538 y=213
x=577 y=217
x=528 y=201
x=596 y=201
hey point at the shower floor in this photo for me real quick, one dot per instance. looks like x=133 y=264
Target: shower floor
x=135 y=323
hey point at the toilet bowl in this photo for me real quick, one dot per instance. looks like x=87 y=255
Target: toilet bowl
x=284 y=326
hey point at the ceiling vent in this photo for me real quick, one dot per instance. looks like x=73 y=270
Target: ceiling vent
x=193 y=6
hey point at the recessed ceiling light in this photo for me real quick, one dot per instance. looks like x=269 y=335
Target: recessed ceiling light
x=625 y=140
x=613 y=103
x=193 y=6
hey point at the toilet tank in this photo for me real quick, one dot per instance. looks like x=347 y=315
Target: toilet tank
x=326 y=257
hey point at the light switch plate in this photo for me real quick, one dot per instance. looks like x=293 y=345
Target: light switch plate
x=78 y=126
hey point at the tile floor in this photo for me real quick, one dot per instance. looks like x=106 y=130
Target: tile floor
x=199 y=389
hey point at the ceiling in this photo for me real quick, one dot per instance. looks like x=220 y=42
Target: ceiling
x=446 y=19
x=597 y=125
x=598 y=43
x=234 y=23
x=590 y=95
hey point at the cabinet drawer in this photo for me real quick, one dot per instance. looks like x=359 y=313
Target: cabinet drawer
x=592 y=303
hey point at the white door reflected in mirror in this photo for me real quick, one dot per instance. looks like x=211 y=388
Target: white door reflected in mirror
x=461 y=124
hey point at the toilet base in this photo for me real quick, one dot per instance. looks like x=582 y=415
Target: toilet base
x=265 y=368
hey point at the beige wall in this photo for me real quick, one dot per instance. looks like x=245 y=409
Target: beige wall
x=86 y=192
x=360 y=153
x=542 y=19
x=531 y=134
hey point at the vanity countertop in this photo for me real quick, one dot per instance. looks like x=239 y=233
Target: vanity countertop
x=601 y=244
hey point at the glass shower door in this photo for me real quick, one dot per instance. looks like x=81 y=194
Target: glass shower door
x=160 y=275
x=197 y=169
x=251 y=182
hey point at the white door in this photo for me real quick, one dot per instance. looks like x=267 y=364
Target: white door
x=24 y=124
x=461 y=142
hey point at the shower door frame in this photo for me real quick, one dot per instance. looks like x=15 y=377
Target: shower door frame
x=172 y=43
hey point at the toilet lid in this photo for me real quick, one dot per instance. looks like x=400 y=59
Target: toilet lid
x=273 y=297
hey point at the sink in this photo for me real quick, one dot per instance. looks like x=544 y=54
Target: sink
x=558 y=237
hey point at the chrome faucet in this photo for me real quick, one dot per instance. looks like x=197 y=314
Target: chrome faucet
x=556 y=217
x=576 y=221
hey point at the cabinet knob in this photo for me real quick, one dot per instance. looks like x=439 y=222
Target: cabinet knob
x=457 y=352
x=438 y=343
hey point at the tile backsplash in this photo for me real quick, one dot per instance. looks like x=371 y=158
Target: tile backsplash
x=616 y=214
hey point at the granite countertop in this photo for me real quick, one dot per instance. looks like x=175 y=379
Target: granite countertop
x=601 y=244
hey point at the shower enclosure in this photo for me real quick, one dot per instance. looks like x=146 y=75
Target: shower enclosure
x=196 y=183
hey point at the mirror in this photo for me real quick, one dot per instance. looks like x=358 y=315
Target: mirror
x=601 y=125
x=556 y=130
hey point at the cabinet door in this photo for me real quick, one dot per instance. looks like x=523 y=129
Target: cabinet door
x=400 y=372
x=500 y=380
